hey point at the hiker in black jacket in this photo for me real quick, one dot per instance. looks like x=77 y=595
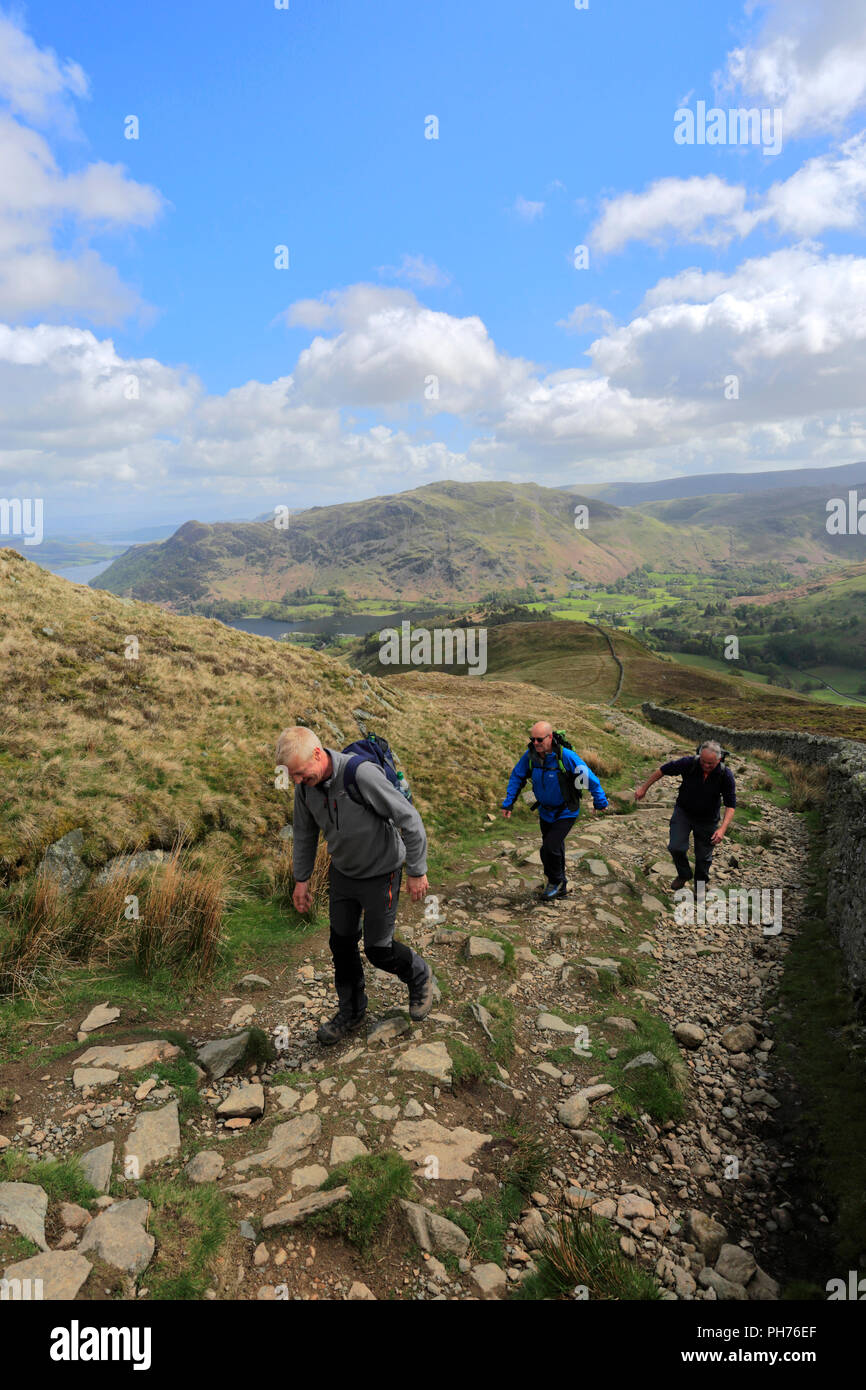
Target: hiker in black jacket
x=706 y=784
x=367 y=851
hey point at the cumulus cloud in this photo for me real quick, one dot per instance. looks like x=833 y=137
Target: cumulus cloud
x=809 y=59
x=389 y=346
x=34 y=82
x=826 y=192
x=37 y=198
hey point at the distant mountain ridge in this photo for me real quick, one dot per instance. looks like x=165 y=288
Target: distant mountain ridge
x=626 y=494
x=453 y=542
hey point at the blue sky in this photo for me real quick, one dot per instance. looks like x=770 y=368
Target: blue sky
x=413 y=260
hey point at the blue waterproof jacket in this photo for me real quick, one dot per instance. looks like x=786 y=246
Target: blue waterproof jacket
x=546 y=788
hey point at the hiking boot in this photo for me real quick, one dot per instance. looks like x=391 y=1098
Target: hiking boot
x=344 y=1022
x=421 y=997
x=554 y=890
x=678 y=883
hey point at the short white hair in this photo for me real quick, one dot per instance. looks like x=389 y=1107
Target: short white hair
x=296 y=744
x=711 y=747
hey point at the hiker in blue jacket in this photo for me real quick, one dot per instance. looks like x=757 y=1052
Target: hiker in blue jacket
x=558 y=776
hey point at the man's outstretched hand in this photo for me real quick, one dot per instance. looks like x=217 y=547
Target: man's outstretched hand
x=417 y=887
x=506 y=813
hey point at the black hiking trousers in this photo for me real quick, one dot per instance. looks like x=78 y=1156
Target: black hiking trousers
x=553 y=833
x=377 y=899
x=682 y=826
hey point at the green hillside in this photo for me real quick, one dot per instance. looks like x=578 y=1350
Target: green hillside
x=446 y=542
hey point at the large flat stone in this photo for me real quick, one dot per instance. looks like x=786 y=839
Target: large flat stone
x=154 y=1137
x=549 y=1023
x=129 y=1056
x=23 y=1205
x=62 y=1273
x=244 y=1102
x=345 y=1147
x=292 y=1213
x=433 y=1059
x=289 y=1143
x=96 y=1165
x=118 y=1236
x=421 y=1140
x=93 y=1076
x=99 y=1017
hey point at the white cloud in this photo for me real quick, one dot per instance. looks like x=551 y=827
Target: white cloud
x=585 y=317
x=34 y=82
x=827 y=192
x=37 y=199
x=694 y=209
x=417 y=270
x=809 y=59
x=388 y=347
x=529 y=211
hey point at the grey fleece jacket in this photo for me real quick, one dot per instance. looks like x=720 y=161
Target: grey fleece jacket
x=361 y=843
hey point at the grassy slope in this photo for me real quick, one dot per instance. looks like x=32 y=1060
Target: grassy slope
x=782 y=524
x=446 y=541
x=131 y=750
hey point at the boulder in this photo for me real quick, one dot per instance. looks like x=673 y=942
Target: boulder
x=119 y=1237
x=154 y=1137
x=23 y=1205
x=61 y=1273
x=220 y=1055
x=433 y=1232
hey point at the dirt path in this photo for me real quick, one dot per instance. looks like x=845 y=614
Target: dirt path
x=610 y=959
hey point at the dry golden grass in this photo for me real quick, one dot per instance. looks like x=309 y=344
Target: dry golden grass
x=602 y=764
x=183 y=736
x=37 y=924
x=808 y=784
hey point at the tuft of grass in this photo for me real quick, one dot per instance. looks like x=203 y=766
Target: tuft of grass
x=375 y=1181
x=660 y=1091
x=807 y=783
x=469 y=1066
x=190 y=1225
x=61 y=1178
x=501 y=1026
x=579 y=1252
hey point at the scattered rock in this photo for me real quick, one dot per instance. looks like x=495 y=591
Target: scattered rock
x=118 y=1236
x=433 y=1059
x=292 y=1213
x=62 y=1273
x=244 y=1102
x=433 y=1232
x=206 y=1166
x=220 y=1055
x=154 y=1137
x=23 y=1205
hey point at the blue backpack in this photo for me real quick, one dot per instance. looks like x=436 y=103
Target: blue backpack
x=373 y=749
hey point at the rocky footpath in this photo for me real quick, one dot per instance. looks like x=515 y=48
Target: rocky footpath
x=537 y=1007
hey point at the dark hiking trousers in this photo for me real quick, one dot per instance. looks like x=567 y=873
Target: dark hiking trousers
x=377 y=899
x=682 y=826
x=553 y=833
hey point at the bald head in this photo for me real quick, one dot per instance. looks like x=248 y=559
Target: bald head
x=541 y=736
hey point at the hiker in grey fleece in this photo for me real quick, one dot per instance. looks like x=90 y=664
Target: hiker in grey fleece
x=369 y=845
